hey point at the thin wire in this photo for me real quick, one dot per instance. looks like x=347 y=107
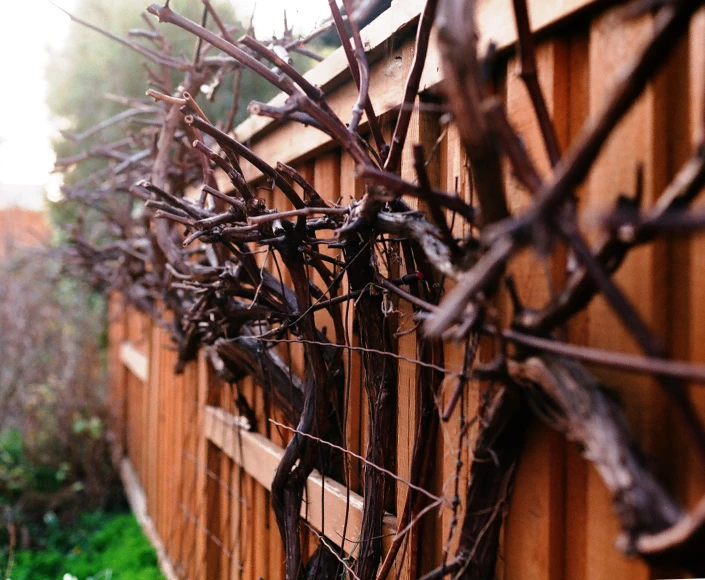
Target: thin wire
x=215 y=539
x=394 y=476
x=215 y=477
x=438 y=368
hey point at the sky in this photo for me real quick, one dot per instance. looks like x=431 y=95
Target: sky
x=26 y=156
x=29 y=30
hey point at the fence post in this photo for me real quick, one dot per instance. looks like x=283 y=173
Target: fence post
x=117 y=332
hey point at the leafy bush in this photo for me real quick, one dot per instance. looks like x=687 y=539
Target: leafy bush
x=54 y=449
x=98 y=545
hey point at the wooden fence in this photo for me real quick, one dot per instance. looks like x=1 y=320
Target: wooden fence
x=202 y=480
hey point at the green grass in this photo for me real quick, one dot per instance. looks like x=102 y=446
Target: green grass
x=98 y=546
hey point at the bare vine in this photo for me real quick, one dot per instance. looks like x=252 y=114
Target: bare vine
x=203 y=260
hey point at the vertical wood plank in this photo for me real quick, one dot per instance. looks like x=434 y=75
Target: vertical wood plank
x=247 y=528
x=637 y=139
x=675 y=104
x=326 y=181
x=697 y=283
x=166 y=397
x=224 y=490
x=693 y=474
x=534 y=534
x=236 y=511
x=260 y=507
x=211 y=562
x=158 y=443
x=211 y=498
x=293 y=351
x=175 y=525
x=356 y=408
x=276 y=547
x=187 y=487
x=575 y=565
x=150 y=442
x=201 y=544
x=423 y=130
x=454 y=178
x=117 y=332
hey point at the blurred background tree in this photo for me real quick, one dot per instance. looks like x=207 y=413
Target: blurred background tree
x=92 y=66
x=91 y=69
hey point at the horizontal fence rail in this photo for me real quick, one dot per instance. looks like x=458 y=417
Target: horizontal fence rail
x=328 y=506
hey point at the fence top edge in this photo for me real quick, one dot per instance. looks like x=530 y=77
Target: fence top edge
x=333 y=70
x=495 y=22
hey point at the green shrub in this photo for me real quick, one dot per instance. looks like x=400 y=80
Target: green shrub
x=97 y=546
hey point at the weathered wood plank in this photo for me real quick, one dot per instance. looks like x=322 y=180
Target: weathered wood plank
x=226 y=496
x=692 y=474
x=637 y=139
x=277 y=557
x=534 y=530
x=356 y=407
x=259 y=457
x=576 y=468
x=134 y=360
x=201 y=503
x=260 y=538
x=454 y=178
x=247 y=484
x=424 y=131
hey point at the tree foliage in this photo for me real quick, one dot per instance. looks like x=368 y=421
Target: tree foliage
x=91 y=68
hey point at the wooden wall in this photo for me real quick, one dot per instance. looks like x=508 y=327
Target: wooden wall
x=205 y=479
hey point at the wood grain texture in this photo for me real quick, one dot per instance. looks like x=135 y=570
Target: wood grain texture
x=259 y=458
x=693 y=472
x=356 y=406
x=454 y=178
x=576 y=468
x=292 y=142
x=635 y=140
x=534 y=529
x=407 y=343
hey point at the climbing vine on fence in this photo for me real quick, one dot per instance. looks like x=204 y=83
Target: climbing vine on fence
x=245 y=266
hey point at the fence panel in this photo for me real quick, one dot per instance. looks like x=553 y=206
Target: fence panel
x=205 y=452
